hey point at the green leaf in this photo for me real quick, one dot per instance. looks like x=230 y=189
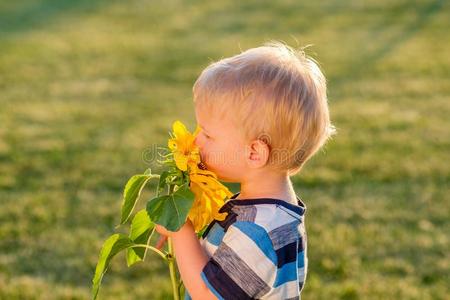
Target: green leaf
x=140 y=233
x=162 y=182
x=132 y=192
x=113 y=245
x=171 y=210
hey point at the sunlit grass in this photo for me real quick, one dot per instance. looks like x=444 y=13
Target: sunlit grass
x=88 y=87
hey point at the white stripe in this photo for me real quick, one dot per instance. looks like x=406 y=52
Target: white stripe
x=269 y=217
x=301 y=274
x=290 y=212
x=289 y=289
x=251 y=254
x=208 y=247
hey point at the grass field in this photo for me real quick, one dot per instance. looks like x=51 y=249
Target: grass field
x=88 y=86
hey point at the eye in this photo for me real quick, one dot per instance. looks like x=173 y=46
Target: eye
x=206 y=135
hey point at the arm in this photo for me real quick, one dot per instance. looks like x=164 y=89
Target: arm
x=191 y=260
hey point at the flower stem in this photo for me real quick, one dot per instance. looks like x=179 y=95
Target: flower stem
x=160 y=253
x=171 y=261
x=172 y=269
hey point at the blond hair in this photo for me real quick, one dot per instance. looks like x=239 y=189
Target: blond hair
x=278 y=94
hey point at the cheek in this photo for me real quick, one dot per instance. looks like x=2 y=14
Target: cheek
x=220 y=155
x=235 y=156
x=204 y=148
x=208 y=153
x=201 y=144
x=199 y=141
x=228 y=155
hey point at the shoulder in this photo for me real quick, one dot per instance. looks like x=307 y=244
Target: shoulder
x=268 y=228
x=275 y=221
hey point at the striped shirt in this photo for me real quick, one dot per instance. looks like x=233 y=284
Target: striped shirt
x=258 y=252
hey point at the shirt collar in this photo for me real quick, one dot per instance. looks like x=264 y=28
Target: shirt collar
x=299 y=209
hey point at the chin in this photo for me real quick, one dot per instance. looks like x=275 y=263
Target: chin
x=225 y=178
x=220 y=175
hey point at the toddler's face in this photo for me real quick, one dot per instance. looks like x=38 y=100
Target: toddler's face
x=222 y=146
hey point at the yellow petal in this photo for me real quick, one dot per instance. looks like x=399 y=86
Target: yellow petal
x=179 y=130
x=206 y=180
x=172 y=144
x=180 y=161
x=205 y=172
x=220 y=217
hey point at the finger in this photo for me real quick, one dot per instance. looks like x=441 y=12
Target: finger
x=162 y=240
x=158 y=228
x=161 y=229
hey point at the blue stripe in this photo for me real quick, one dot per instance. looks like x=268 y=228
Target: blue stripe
x=258 y=235
x=287 y=273
x=301 y=259
x=215 y=236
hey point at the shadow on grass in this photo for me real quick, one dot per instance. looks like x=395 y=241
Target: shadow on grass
x=35 y=14
x=363 y=63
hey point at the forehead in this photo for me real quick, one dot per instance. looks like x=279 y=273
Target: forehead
x=208 y=118
x=214 y=121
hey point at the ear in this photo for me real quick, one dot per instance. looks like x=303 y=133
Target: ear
x=257 y=154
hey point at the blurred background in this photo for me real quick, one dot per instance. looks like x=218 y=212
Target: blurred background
x=89 y=87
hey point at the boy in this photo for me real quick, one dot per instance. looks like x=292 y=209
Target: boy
x=263 y=114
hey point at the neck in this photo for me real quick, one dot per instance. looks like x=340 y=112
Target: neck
x=268 y=185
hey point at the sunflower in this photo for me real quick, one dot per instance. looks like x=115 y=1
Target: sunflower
x=209 y=193
x=185 y=152
x=209 y=198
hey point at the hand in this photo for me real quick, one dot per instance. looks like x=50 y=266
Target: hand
x=163 y=231
x=161 y=242
x=164 y=235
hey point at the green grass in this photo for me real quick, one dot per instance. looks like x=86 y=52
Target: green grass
x=88 y=86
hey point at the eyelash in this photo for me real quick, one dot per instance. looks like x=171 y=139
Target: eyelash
x=207 y=136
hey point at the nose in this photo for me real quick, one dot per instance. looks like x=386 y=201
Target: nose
x=197 y=142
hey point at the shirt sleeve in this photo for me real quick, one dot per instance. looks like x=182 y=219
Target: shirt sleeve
x=244 y=266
